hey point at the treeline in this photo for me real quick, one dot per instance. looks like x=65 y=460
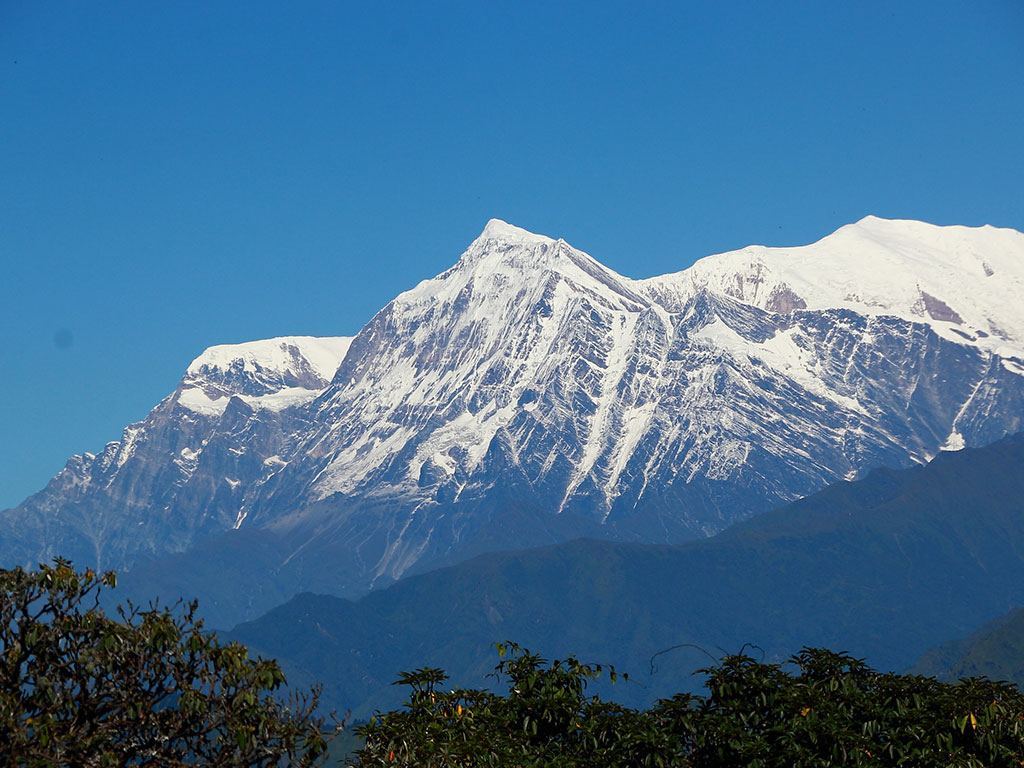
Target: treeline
x=818 y=709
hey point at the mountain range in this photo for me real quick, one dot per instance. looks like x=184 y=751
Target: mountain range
x=529 y=396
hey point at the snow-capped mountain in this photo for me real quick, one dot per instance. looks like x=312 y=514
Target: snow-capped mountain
x=189 y=470
x=273 y=374
x=964 y=282
x=530 y=394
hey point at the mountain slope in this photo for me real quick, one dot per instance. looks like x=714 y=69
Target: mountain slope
x=882 y=567
x=530 y=395
x=995 y=651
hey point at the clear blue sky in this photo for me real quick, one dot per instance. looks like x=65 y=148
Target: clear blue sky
x=178 y=175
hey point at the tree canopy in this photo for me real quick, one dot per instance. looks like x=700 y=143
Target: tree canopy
x=818 y=709
x=145 y=687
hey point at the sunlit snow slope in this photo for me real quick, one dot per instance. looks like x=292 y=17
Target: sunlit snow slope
x=966 y=283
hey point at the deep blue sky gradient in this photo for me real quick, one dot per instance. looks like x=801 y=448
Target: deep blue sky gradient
x=178 y=175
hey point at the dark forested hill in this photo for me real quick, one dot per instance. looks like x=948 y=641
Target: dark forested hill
x=884 y=568
x=995 y=651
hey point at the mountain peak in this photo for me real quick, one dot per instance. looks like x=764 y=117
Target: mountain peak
x=273 y=373
x=278 y=354
x=925 y=233
x=965 y=282
x=497 y=229
x=504 y=258
x=504 y=254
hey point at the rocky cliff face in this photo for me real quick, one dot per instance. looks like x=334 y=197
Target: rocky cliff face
x=530 y=394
